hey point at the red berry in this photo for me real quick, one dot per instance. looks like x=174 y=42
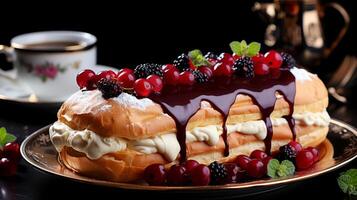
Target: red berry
x=190 y=165
x=156 y=82
x=212 y=61
x=11 y=151
x=235 y=57
x=142 y=87
x=206 y=70
x=186 y=78
x=273 y=59
x=256 y=168
x=242 y=161
x=7 y=167
x=92 y=82
x=83 y=77
x=127 y=70
x=155 y=174
x=314 y=152
x=258 y=154
x=266 y=162
x=297 y=146
x=191 y=65
x=259 y=58
x=226 y=58
x=304 y=159
x=201 y=175
x=261 y=69
x=168 y=67
x=176 y=175
x=171 y=76
x=221 y=69
x=126 y=78
x=232 y=171
x=109 y=74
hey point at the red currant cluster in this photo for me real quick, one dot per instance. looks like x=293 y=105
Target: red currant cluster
x=9 y=158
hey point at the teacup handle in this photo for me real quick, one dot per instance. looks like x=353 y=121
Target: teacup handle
x=9 y=53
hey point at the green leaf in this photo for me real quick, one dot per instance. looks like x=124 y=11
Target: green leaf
x=347 y=181
x=276 y=169
x=236 y=47
x=5 y=137
x=197 y=58
x=2 y=134
x=289 y=168
x=194 y=53
x=273 y=166
x=253 y=49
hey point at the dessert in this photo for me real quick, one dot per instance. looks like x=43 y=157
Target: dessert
x=202 y=108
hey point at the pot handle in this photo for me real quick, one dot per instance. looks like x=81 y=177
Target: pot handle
x=9 y=53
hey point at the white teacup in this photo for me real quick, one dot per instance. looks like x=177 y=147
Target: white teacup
x=49 y=61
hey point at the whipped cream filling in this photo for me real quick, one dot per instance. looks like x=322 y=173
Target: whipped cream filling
x=95 y=146
x=301 y=74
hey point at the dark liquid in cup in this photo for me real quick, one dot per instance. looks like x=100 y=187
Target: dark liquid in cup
x=54 y=45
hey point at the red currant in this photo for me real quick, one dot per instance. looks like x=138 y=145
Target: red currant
x=258 y=154
x=106 y=74
x=156 y=82
x=126 y=78
x=242 y=161
x=83 y=77
x=127 y=70
x=314 y=152
x=171 y=76
x=7 y=167
x=187 y=78
x=221 y=69
x=226 y=58
x=11 y=151
x=168 y=67
x=201 y=175
x=273 y=59
x=190 y=165
x=256 y=168
x=176 y=175
x=206 y=70
x=142 y=87
x=261 y=69
x=235 y=57
x=304 y=159
x=232 y=171
x=297 y=146
x=155 y=174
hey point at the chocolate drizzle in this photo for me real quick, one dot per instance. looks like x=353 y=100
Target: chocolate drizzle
x=181 y=103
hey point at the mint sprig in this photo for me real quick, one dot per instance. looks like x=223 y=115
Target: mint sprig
x=243 y=49
x=276 y=169
x=347 y=181
x=5 y=137
x=197 y=58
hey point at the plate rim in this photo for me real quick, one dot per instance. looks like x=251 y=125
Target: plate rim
x=133 y=186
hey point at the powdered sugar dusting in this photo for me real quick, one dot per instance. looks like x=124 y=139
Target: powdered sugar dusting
x=129 y=100
x=302 y=74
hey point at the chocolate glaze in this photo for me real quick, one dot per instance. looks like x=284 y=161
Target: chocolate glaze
x=182 y=102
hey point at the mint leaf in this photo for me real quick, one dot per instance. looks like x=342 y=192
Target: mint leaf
x=348 y=182
x=253 y=49
x=288 y=168
x=197 y=58
x=273 y=166
x=276 y=169
x=236 y=47
x=5 y=137
x=194 y=53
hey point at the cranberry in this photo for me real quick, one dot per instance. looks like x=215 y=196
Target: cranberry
x=156 y=82
x=304 y=159
x=83 y=77
x=7 y=167
x=261 y=69
x=297 y=146
x=266 y=162
x=126 y=78
x=226 y=58
x=235 y=57
x=259 y=58
x=142 y=87
x=127 y=70
x=92 y=83
x=242 y=161
x=212 y=61
x=273 y=59
x=155 y=174
x=232 y=171
x=176 y=175
x=256 y=168
x=171 y=76
x=258 y=154
x=201 y=175
x=190 y=165
x=314 y=152
x=186 y=78
x=191 y=65
x=106 y=74
x=168 y=67
x=221 y=69
x=206 y=70
x=11 y=151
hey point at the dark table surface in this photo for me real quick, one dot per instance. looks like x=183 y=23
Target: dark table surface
x=30 y=183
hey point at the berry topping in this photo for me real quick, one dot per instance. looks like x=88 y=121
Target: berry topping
x=190 y=165
x=92 y=83
x=201 y=175
x=182 y=62
x=7 y=167
x=244 y=67
x=210 y=55
x=288 y=60
x=236 y=56
x=315 y=152
x=127 y=70
x=232 y=171
x=126 y=78
x=261 y=69
x=187 y=78
x=109 y=88
x=206 y=70
x=83 y=77
x=144 y=70
x=266 y=162
x=256 y=168
x=304 y=159
x=297 y=146
x=156 y=82
x=221 y=69
x=287 y=152
x=142 y=87
x=199 y=76
x=12 y=151
x=171 y=76
x=242 y=161
x=273 y=59
x=258 y=154
x=176 y=175
x=226 y=58
x=109 y=74
x=218 y=172
x=155 y=174
x=168 y=67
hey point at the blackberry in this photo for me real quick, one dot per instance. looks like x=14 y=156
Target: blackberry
x=288 y=60
x=182 y=62
x=144 y=70
x=109 y=88
x=210 y=55
x=287 y=152
x=218 y=172
x=244 y=67
x=199 y=76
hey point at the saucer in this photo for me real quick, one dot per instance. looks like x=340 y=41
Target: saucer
x=17 y=92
